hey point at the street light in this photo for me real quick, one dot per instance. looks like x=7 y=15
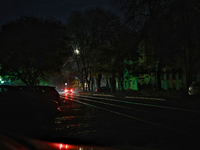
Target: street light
x=75 y=52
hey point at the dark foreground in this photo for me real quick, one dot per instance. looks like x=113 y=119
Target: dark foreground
x=120 y=124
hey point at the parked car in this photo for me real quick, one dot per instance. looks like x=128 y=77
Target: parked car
x=8 y=91
x=17 y=106
x=60 y=89
x=194 y=89
x=41 y=92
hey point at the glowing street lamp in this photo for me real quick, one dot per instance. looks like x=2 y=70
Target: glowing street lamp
x=77 y=51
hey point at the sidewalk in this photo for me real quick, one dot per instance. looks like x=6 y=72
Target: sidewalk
x=127 y=95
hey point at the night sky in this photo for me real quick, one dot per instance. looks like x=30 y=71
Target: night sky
x=58 y=9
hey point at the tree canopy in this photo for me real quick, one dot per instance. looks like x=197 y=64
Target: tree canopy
x=89 y=29
x=169 y=31
x=31 y=49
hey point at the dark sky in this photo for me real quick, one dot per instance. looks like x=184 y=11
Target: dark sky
x=58 y=9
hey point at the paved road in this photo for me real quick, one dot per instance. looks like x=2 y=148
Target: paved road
x=127 y=123
x=122 y=123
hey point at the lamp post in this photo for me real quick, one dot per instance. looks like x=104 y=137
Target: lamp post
x=76 y=52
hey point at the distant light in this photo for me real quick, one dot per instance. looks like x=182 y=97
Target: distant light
x=76 y=77
x=65 y=83
x=2 y=81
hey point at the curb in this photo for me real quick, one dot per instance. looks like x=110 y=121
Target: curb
x=129 y=97
x=150 y=98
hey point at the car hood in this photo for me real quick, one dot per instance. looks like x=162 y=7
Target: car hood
x=11 y=141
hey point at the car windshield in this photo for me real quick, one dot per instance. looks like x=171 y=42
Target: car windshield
x=107 y=74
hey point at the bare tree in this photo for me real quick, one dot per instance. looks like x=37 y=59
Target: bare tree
x=88 y=30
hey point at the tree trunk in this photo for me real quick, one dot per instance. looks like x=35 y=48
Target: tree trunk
x=86 y=79
x=190 y=62
x=159 y=71
x=121 y=84
x=158 y=77
x=92 y=84
x=88 y=85
x=189 y=73
x=99 y=80
x=83 y=81
x=113 y=85
x=107 y=85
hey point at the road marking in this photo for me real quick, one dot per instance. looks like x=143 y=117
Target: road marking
x=157 y=99
x=149 y=105
x=136 y=97
x=103 y=95
x=158 y=114
x=142 y=120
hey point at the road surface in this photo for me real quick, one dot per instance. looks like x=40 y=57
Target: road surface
x=127 y=123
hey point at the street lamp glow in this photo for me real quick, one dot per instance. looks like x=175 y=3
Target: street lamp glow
x=77 y=51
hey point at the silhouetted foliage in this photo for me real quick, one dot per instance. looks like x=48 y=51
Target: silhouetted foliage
x=170 y=31
x=31 y=49
x=89 y=29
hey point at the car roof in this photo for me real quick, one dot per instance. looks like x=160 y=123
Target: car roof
x=69 y=87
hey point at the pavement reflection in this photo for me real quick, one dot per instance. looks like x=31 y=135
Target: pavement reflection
x=77 y=119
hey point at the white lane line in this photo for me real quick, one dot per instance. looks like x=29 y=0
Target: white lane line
x=157 y=114
x=149 y=105
x=136 y=97
x=105 y=103
x=142 y=120
x=157 y=99
x=104 y=95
